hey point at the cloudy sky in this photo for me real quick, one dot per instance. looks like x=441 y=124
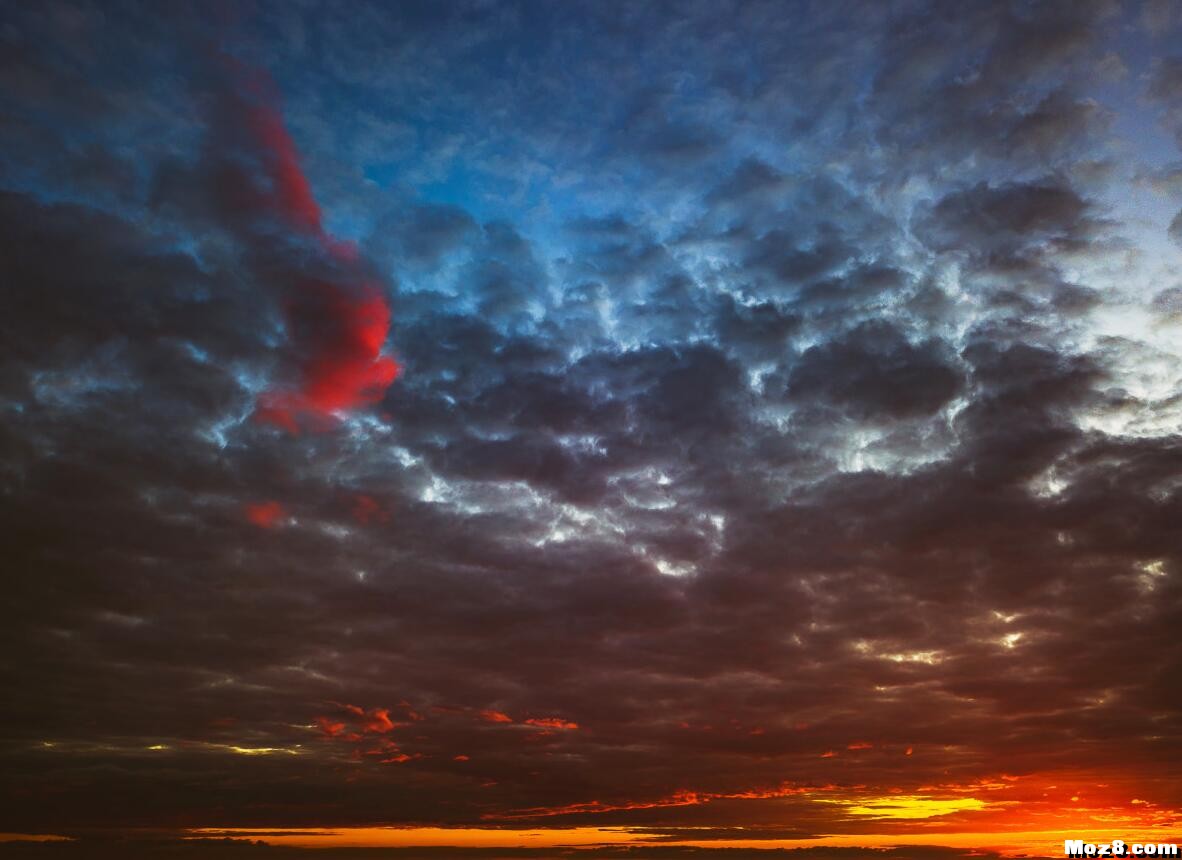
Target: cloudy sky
x=693 y=423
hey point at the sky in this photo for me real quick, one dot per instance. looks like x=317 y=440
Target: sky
x=666 y=429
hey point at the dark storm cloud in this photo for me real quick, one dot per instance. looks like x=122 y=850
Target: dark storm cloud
x=998 y=221
x=505 y=279
x=992 y=80
x=1018 y=241
x=759 y=448
x=422 y=236
x=757 y=331
x=136 y=301
x=1165 y=83
x=1053 y=126
x=874 y=372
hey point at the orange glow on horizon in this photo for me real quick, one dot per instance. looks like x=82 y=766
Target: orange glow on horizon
x=1007 y=843
x=1008 y=814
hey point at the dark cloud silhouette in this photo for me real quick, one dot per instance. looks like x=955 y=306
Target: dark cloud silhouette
x=1165 y=83
x=991 y=219
x=874 y=372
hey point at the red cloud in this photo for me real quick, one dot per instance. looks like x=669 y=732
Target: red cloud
x=387 y=752
x=495 y=717
x=355 y=724
x=367 y=509
x=330 y=727
x=678 y=798
x=860 y=745
x=552 y=723
x=367 y=732
x=293 y=193
x=337 y=322
x=400 y=758
x=345 y=327
x=375 y=720
x=265 y=515
x=379 y=721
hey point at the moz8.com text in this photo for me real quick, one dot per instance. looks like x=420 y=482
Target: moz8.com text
x=1119 y=848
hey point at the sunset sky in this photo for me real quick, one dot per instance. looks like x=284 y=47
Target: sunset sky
x=631 y=429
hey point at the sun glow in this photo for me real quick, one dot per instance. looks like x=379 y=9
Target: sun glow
x=909 y=806
x=429 y=837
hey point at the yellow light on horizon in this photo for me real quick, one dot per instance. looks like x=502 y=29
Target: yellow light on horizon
x=910 y=806
x=430 y=837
